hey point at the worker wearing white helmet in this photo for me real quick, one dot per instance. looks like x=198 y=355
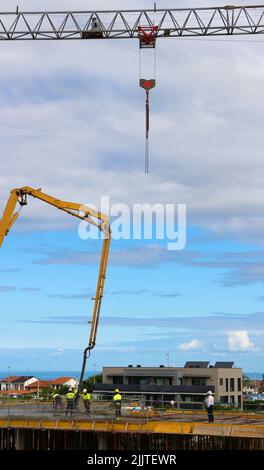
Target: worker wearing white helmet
x=210 y=406
x=70 y=399
x=86 y=400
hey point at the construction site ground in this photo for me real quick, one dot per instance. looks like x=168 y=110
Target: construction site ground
x=102 y=419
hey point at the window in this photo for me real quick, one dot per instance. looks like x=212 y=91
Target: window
x=232 y=385
x=223 y=399
x=188 y=398
x=239 y=385
x=118 y=380
x=198 y=381
x=227 y=389
x=162 y=380
x=159 y=381
x=198 y=398
x=139 y=380
x=145 y=381
x=221 y=382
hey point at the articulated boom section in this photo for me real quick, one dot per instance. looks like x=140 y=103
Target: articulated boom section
x=19 y=196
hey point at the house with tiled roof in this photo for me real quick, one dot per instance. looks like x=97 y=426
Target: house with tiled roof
x=63 y=381
x=16 y=383
x=38 y=385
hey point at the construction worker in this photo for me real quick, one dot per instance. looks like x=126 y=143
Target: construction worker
x=210 y=406
x=117 y=402
x=70 y=399
x=75 y=391
x=57 y=401
x=86 y=400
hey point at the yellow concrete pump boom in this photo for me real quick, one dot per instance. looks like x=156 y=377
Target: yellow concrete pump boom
x=19 y=196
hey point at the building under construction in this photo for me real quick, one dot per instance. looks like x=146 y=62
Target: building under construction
x=170 y=431
x=159 y=415
x=35 y=425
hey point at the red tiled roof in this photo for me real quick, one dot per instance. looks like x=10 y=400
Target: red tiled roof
x=39 y=384
x=11 y=378
x=61 y=380
x=17 y=378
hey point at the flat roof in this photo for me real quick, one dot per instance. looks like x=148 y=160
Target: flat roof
x=197 y=364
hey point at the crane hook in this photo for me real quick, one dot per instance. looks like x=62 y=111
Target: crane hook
x=147 y=85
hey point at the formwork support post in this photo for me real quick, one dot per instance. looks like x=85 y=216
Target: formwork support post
x=20 y=439
x=102 y=441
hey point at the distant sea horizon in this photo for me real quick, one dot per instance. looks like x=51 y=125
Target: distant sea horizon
x=48 y=375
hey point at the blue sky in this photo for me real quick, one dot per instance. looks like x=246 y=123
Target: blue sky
x=72 y=122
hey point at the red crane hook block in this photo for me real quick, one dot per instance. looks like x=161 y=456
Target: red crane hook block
x=147 y=36
x=147 y=84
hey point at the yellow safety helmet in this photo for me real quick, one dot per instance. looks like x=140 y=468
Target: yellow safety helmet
x=116 y=390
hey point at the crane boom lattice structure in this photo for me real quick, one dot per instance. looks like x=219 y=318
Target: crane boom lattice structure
x=121 y=24
x=144 y=25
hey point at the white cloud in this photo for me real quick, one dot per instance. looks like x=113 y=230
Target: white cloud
x=194 y=344
x=240 y=341
x=79 y=104
x=57 y=353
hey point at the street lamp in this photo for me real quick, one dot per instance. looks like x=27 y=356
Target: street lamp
x=168 y=359
x=94 y=374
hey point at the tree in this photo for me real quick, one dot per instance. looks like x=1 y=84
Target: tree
x=62 y=390
x=88 y=384
x=246 y=380
x=46 y=393
x=262 y=384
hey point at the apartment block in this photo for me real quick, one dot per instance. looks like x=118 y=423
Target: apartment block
x=183 y=385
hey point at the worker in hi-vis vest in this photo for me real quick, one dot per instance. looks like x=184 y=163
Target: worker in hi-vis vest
x=117 y=402
x=70 y=399
x=86 y=400
x=57 y=401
